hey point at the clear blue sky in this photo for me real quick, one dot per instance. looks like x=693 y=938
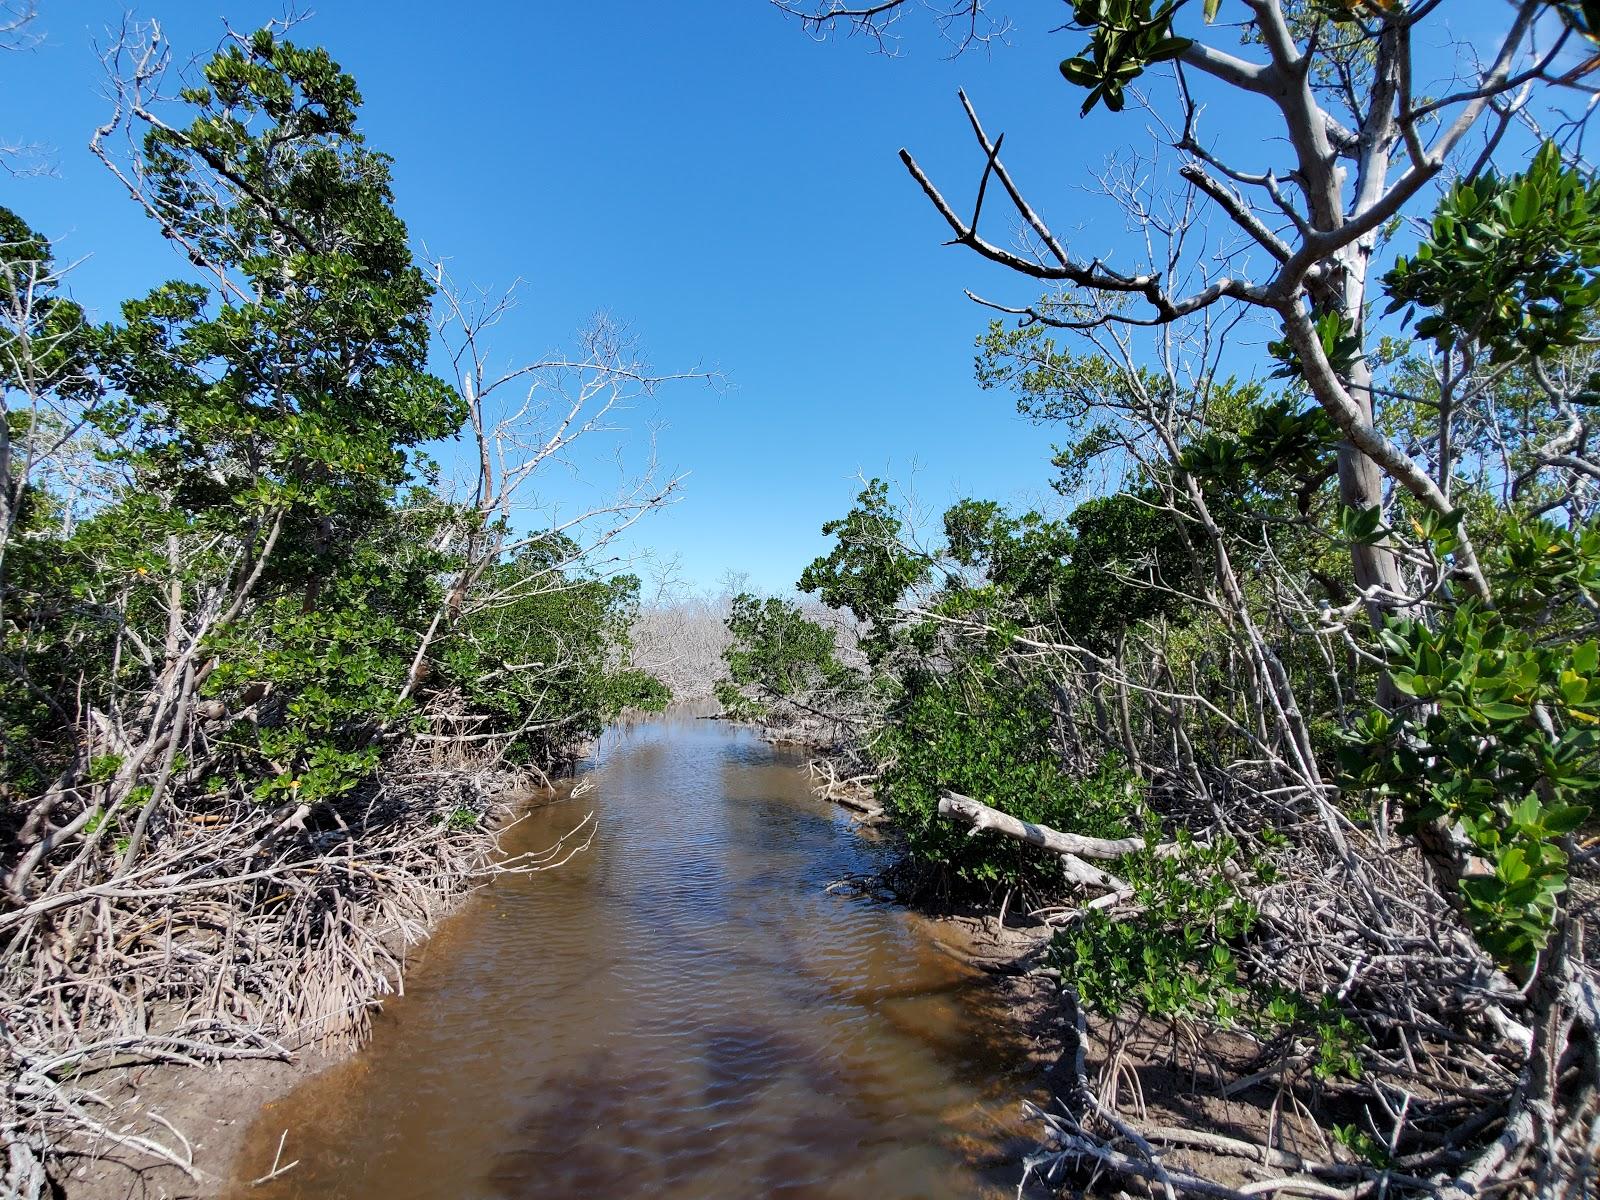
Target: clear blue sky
x=706 y=172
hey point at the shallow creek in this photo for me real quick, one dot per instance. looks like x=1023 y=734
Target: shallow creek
x=684 y=1010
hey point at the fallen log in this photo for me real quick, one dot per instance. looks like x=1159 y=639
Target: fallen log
x=957 y=807
x=869 y=809
x=1073 y=848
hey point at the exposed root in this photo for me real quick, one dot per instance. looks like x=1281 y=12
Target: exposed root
x=242 y=935
x=1468 y=1086
x=854 y=792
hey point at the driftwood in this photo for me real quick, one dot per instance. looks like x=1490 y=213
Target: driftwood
x=957 y=807
x=853 y=793
x=860 y=804
x=1074 y=849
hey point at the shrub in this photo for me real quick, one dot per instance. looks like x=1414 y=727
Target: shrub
x=983 y=735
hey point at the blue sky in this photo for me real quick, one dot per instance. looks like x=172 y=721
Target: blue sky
x=706 y=172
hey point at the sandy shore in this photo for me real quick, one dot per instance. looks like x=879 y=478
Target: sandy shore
x=213 y=1107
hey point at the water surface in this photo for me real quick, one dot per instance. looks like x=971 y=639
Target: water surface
x=685 y=1009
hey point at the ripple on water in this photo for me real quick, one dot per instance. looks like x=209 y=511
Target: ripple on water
x=681 y=1011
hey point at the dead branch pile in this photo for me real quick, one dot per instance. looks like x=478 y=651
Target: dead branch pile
x=1459 y=1063
x=242 y=933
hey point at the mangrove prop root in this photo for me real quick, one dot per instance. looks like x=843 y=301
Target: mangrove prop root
x=1469 y=1085
x=226 y=944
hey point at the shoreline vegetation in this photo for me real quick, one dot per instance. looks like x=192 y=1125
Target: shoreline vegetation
x=270 y=672
x=1281 y=722
x=171 y=1105
x=1265 y=753
x=1282 y=719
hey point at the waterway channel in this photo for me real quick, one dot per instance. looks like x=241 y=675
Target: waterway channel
x=686 y=1008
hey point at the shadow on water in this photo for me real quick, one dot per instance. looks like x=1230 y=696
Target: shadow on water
x=682 y=1011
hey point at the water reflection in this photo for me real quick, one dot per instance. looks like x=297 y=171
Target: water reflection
x=682 y=1011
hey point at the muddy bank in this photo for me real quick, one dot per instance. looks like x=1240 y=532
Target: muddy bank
x=213 y=1106
x=1207 y=1101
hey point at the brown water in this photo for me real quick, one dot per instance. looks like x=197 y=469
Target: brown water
x=682 y=1010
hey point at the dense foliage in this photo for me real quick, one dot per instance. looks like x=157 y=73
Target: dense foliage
x=268 y=673
x=263 y=670
x=264 y=589
x=544 y=661
x=1318 y=624
x=979 y=733
x=1500 y=736
x=785 y=670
